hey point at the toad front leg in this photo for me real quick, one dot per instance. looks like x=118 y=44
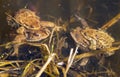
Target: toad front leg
x=19 y=39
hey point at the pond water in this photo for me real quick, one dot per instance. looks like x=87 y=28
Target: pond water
x=97 y=13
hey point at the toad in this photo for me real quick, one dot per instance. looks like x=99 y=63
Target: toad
x=31 y=26
x=91 y=39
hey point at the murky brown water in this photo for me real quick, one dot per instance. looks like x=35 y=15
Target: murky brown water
x=101 y=12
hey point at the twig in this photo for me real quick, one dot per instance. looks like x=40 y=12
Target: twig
x=85 y=24
x=95 y=52
x=51 y=35
x=46 y=64
x=70 y=60
x=56 y=28
x=111 y=22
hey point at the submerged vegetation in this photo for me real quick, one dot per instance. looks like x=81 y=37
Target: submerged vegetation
x=43 y=48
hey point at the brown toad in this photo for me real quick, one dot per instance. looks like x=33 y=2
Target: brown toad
x=91 y=39
x=31 y=26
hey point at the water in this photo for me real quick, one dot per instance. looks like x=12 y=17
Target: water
x=98 y=12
